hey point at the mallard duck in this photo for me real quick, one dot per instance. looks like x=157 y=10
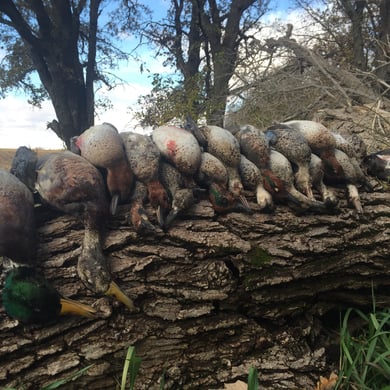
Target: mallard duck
x=27 y=295
x=103 y=147
x=68 y=182
x=144 y=159
x=294 y=146
x=30 y=298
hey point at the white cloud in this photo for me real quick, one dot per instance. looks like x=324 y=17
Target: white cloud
x=24 y=125
x=21 y=124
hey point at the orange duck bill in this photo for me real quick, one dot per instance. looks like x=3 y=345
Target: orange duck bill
x=69 y=306
x=117 y=293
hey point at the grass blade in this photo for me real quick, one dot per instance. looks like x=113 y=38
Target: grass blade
x=253 y=382
x=60 y=382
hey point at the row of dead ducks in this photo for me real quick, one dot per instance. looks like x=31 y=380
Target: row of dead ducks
x=169 y=170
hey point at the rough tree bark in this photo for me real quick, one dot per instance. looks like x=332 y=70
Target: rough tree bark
x=217 y=295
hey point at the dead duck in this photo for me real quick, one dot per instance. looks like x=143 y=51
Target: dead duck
x=27 y=296
x=321 y=142
x=179 y=147
x=213 y=176
x=281 y=166
x=252 y=180
x=350 y=179
x=348 y=148
x=182 y=198
x=317 y=174
x=211 y=170
x=17 y=219
x=144 y=159
x=73 y=185
x=138 y=216
x=103 y=147
x=223 y=145
x=377 y=164
x=255 y=147
x=293 y=145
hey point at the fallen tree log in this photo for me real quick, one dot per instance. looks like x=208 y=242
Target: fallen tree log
x=216 y=295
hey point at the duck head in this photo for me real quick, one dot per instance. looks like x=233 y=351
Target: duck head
x=223 y=201
x=159 y=200
x=24 y=166
x=183 y=199
x=30 y=298
x=332 y=167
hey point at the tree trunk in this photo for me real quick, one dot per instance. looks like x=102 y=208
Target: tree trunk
x=217 y=295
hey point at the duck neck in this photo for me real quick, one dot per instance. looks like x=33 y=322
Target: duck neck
x=92 y=266
x=157 y=194
x=120 y=180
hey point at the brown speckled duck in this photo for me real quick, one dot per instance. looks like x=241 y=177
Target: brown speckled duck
x=144 y=159
x=222 y=144
x=348 y=148
x=350 y=179
x=282 y=168
x=317 y=175
x=255 y=147
x=103 y=147
x=213 y=176
x=211 y=170
x=294 y=146
x=138 y=216
x=179 y=147
x=71 y=184
x=321 y=142
x=252 y=180
x=182 y=198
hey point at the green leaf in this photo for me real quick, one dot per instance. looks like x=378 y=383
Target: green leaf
x=60 y=382
x=130 y=368
x=253 y=383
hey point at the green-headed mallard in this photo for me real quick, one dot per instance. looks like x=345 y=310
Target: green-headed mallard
x=27 y=295
x=68 y=182
x=30 y=298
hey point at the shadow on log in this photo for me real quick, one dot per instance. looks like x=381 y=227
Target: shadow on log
x=217 y=295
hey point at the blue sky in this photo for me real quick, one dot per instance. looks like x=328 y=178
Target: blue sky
x=22 y=124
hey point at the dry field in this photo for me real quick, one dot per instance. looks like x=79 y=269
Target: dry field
x=6 y=156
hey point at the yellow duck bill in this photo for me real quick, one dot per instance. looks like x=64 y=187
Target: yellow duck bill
x=69 y=306
x=117 y=293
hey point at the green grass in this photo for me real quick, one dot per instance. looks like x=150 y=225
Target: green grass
x=365 y=354
x=253 y=382
x=130 y=369
x=58 y=383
